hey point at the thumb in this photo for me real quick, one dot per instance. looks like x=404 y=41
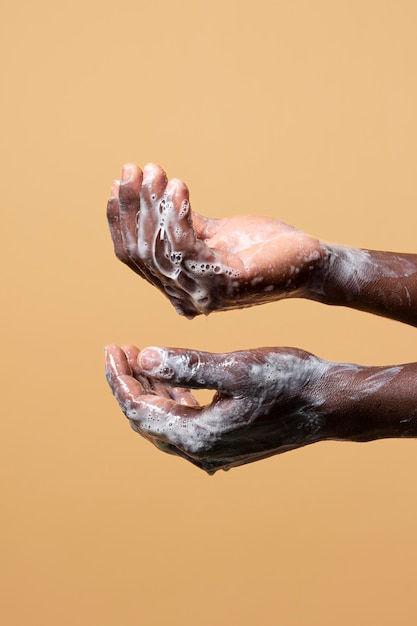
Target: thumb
x=190 y=368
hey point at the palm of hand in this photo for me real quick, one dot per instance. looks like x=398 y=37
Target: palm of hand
x=261 y=247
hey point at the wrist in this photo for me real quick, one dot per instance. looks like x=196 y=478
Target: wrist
x=339 y=275
x=337 y=394
x=382 y=283
x=317 y=281
x=366 y=403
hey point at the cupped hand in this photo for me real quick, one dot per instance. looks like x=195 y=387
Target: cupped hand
x=264 y=402
x=203 y=264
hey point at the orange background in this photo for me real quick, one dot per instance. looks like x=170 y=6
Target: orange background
x=301 y=110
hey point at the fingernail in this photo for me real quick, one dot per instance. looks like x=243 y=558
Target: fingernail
x=150 y=358
x=127 y=173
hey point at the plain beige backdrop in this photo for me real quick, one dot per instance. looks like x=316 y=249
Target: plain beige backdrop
x=302 y=110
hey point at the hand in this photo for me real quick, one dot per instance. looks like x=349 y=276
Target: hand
x=204 y=264
x=264 y=403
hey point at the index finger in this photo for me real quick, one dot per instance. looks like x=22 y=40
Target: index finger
x=119 y=376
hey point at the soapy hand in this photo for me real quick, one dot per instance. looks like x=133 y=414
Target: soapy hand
x=202 y=264
x=264 y=403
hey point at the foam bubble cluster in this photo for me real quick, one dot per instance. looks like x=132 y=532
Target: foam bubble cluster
x=165 y=242
x=185 y=207
x=208 y=269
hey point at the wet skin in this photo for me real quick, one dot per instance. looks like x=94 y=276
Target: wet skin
x=204 y=265
x=238 y=426
x=268 y=400
x=201 y=264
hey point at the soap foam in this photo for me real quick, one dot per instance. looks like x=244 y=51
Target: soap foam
x=165 y=250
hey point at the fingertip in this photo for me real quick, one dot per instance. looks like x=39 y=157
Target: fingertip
x=150 y=358
x=128 y=347
x=152 y=170
x=127 y=173
x=115 y=189
x=183 y=187
x=152 y=166
x=109 y=349
x=113 y=363
x=177 y=187
x=129 y=170
x=184 y=397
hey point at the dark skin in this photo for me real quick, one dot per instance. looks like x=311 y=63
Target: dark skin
x=266 y=259
x=268 y=400
x=224 y=264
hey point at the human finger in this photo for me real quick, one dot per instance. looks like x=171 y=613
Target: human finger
x=132 y=353
x=154 y=183
x=135 y=211
x=181 y=395
x=113 y=219
x=129 y=203
x=119 y=376
x=191 y=368
x=166 y=237
x=137 y=403
x=184 y=259
x=177 y=216
x=205 y=227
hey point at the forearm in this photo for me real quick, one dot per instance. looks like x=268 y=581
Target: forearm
x=383 y=283
x=367 y=403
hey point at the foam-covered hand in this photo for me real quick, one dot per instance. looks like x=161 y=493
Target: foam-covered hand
x=264 y=403
x=204 y=264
